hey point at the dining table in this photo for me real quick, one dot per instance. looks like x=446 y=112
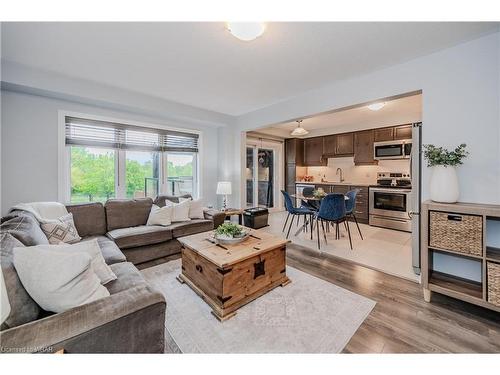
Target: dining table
x=310 y=198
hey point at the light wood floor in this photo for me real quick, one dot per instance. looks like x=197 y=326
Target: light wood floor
x=402 y=322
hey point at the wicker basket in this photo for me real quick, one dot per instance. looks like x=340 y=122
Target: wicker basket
x=493 y=283
x=456 y=232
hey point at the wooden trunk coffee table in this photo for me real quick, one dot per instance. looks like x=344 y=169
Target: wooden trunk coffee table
x=229 y=277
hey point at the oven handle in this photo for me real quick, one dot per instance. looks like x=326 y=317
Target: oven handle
x=391 y=190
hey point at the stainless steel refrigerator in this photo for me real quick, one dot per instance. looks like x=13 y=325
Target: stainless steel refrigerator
x=416 y=185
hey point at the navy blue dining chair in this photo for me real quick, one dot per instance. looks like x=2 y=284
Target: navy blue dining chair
x=350 y=205
x=332 y=210
x=295 y=212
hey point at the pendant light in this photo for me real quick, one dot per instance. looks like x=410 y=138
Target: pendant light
x=298 y=131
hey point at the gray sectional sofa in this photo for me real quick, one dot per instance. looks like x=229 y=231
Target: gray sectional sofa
x=132 y=318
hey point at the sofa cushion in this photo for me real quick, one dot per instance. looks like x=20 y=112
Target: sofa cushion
x=127 y=277
x=110 y=252
x=23 y=308
x=190 y=227
x=161 y=199
x=24 y=227
x=125 y=213
x=89 y=218
x=149 y=253
x=139 y=236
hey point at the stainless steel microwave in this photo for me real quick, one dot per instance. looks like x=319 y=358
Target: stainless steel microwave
x=400 y=149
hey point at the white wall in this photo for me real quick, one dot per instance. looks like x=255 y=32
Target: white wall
x=29 y=147
x=461 y=102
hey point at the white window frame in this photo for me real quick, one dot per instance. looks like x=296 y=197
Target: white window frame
x=64 y=158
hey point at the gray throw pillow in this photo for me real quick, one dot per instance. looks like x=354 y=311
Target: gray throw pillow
x=23 y=309
x=58 y=280
x=25 y=228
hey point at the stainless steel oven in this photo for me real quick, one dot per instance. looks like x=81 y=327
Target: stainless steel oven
x=390 y=150
x=389 y=208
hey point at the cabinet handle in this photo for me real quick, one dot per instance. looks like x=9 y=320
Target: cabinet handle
x=455 y=217
x=199 y=268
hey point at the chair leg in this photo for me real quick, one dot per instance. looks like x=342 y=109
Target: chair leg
x=311 y=222
x=359 y=230
x=290 y=227
x=286 y=221
x=337 y=231
x=317 y=231
x=305 y=226
x=349 y=233
x=324 y=233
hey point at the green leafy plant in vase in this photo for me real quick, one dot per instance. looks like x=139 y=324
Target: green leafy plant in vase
x=444 y=181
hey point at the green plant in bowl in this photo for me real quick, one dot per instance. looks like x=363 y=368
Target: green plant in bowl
x=230 y=234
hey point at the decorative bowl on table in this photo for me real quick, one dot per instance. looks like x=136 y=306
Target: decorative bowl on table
x=230 y=234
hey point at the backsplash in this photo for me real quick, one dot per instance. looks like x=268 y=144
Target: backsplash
x=362 y=174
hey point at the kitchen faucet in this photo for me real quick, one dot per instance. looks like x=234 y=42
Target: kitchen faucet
x=341 y=174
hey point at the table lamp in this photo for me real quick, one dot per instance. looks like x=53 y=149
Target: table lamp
x=224 y=188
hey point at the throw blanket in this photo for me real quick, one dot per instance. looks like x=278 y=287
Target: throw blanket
x=44 y=212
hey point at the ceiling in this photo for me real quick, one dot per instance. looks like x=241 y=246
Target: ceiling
x=398 y=111
x=202 y=65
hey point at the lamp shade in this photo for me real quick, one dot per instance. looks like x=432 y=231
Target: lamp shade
x=5 y=305
x=224 y=188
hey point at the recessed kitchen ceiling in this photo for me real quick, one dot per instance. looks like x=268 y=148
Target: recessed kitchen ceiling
x=398 y=111
x=203 y=65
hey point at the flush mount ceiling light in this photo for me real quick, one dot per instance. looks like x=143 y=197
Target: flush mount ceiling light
x=246 y=30
x=299 y=130
x=376 y=106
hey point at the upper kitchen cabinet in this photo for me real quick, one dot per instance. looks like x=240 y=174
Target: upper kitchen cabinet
x=313 y=152
x=344 y=144
x=294 y=151
x=403 y=132
x=338 y=145
x=363 y=147
x=384 y=134
x=393 y=133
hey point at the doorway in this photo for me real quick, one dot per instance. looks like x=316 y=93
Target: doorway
x=262 y=174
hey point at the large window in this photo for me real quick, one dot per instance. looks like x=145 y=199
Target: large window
x=142 y=174
x=92 y=174
x=110 y=160
x=180 y=173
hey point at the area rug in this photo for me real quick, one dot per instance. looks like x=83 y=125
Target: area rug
x=309 y=315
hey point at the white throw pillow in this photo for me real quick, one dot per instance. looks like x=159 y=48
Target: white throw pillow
x=92 y=248
x=58 y=280
x=180 y=211
x=160 y=215
x=195 y=208
x=62 y=230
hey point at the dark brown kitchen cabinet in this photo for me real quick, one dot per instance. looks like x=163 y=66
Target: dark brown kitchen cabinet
x=363 y=148
x=403 y=132
x=313 y=152
x=344 y=144
x=329 y=145
x=384 y=134
x=361 y=208
x=294 y=151
x=338 y=145
x=290 y=174
x=340 y=189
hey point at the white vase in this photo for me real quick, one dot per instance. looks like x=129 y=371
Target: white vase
x=444 y=184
